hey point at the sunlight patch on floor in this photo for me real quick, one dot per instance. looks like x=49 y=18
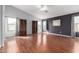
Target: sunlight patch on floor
x=12 y=46
x=76 y=47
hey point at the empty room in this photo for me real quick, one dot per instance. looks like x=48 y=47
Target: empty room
x=39 y=28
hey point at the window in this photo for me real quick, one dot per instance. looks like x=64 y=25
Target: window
x=11 y=26
x=56 y=23
x=39 y=26
x=44 y=26
x=76 y=23
x=76 y=27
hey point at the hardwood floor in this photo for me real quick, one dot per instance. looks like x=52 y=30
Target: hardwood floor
x=41 y=43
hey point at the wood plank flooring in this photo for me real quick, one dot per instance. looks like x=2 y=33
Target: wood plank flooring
x=41 y=43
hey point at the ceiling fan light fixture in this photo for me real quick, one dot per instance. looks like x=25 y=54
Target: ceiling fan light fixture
x=43 y=8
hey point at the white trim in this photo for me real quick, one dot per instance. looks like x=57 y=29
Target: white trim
x=72 y=26
x=61 y=35
x=58 y=34
x=0 y=46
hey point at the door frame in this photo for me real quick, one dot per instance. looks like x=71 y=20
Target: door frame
x=36 y=27
x=25 y=27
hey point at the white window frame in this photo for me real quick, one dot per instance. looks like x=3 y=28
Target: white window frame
x=11 y=32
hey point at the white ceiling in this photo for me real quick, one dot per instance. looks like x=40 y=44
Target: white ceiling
x=53 y=10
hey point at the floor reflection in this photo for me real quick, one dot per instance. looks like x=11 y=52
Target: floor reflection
x=76 y=47
x=39 y=39
x=12 y=46
x=23 y=37
x=44 y=41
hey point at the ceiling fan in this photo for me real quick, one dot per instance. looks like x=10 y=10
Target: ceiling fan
x=43 y=8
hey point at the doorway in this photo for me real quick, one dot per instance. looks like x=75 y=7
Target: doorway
x=34 y=27
x=22 y=29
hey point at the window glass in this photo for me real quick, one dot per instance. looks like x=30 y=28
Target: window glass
x=44 y=26
x=11 y=26
x=76 y=23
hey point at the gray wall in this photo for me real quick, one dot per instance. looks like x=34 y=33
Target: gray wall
x=65 y=27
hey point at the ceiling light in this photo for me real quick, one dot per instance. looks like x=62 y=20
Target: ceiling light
x=43 y=8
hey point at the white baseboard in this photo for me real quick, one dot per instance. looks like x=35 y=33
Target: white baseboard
x=59 y=34
x=62 y=35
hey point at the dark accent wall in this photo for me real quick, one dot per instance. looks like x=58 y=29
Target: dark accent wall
x=65 y=27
